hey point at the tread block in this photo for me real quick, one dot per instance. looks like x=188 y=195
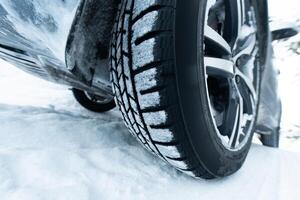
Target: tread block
x=144 y=25
x=146 y=80
x=155 y=118
x=149 y=100
x=143 y=54
x=139 y=8
x=161 y=135
x=169 y=151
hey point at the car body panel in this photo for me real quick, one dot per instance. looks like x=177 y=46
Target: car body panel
x=35 y=34
x=24 y=37
x=33 y=37
x=40 y=26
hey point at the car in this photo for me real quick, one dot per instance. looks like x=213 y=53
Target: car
x=193 y=80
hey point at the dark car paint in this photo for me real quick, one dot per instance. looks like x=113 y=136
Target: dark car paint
x=92 y=32
x=34 y=57
x=86 y=64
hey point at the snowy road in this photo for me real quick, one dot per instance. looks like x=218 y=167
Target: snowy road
x=51 y=148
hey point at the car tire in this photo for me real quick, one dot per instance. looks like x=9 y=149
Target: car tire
x=161 y=87
x=87 y=101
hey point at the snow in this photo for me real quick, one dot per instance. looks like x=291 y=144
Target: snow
x=289 y=9
x=289 y=80
x=51 y=148
x=289 y=65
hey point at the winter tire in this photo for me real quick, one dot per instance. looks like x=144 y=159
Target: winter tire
x=93 y=102
x=186 y=78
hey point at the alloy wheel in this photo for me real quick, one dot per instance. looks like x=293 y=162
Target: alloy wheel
x=232 y=69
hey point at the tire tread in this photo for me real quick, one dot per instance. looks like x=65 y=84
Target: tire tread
x=144 y=83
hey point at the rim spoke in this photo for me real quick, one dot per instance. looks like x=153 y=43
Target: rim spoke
x=230 y=116
x=243 y=118
x=237 y=130
x=241 y=115
x=215 y=40
x=249 y=47
x=248 y=83
x=218 y=66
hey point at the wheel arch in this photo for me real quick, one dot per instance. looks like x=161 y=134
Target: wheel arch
x=91 y=31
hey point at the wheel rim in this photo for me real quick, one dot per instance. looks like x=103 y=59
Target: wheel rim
x=231 y=69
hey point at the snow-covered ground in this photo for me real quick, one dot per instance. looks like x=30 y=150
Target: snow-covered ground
x=51 y=148
x=289 y=65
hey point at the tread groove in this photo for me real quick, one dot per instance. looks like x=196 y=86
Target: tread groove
x=151 y=34
x=157 y=88
x=148 y=10
x=149 y=66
